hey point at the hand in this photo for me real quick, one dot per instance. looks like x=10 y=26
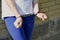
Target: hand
x=18 y=22
x=42 y=16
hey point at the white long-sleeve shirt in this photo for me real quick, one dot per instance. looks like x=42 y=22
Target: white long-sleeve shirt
x=24 y=7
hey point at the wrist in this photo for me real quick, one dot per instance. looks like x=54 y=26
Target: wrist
x=18 y=16
x=37 y=13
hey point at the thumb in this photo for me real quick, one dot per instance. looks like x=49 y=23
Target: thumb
x=42 y=19
x=19 y=24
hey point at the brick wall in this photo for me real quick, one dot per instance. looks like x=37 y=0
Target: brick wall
x=49 y=30
x=50 y=7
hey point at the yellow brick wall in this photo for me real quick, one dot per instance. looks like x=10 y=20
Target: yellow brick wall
x=50 y=7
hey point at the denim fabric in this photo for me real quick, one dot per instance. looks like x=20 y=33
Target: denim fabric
x=23 y=33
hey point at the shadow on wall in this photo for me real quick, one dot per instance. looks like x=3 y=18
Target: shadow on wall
x=49 y=30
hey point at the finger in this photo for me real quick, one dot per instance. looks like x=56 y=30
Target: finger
x=20 y=24
x=15 y=24
x=44 y=16
x=43 y=19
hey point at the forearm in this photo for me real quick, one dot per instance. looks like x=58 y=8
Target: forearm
x=36 y=8
x=11 y=5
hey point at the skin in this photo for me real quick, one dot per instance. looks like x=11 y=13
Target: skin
x=18 y=21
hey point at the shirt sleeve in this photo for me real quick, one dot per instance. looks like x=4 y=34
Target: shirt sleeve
x=35 y=1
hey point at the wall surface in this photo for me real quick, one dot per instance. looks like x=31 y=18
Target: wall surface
x=47 y=30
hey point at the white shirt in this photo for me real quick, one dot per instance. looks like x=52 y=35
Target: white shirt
x=23 y=6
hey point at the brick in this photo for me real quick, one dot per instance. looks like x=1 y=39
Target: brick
x=2 y=26
x=42 y=1
x=51 y=0
x=57 y=1
x=1 y=21
x=51 y=13
x=54 y=16
x=54 y=7
x=44 y=9
x=47 y=4
x=58 y=11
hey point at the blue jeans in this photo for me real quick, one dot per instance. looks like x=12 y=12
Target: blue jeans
x=23 y=33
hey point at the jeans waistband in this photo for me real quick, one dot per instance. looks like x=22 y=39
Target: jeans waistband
x=21 y=16
x=27 y=15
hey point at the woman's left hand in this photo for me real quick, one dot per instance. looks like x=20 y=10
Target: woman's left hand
x=42 y=16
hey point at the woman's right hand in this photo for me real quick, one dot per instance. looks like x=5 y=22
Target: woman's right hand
x=18 y=22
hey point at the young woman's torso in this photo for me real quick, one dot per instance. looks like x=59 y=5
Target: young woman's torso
x=24 y=7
